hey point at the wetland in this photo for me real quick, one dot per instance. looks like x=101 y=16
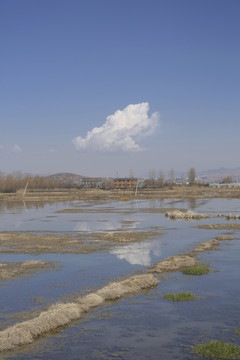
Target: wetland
x=86 y=278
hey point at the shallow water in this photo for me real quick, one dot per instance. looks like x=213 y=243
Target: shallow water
x=139 y=327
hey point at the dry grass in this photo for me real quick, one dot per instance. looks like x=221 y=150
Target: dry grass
x=188 y=215
x=133 y=285
x=206 y=245
x=224 y=237
x=9 y=271
x=41 y=243
x=174 y=263
x=233 y=217
x=60 y=315
x=125 y=236
x=178 y=262
x=218 y=226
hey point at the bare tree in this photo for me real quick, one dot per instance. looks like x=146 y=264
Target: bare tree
x=227 y=180
x=152 y=174
x=161 y=178
x=191 y=176
x=152 y=178
x=182 y=178
x=172 y=176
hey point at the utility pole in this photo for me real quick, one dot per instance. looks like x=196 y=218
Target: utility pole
x=25 y=189
x=136 y=188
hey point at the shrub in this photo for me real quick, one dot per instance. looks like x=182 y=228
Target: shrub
x=183 y=296
x=196 y=270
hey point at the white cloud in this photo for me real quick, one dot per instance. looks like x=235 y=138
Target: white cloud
x=121 y=130
x=16 y=148
x=52 y=150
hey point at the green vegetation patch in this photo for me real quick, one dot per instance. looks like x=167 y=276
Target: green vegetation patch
x=183 y=296
x=196 y=270
x=217 y=350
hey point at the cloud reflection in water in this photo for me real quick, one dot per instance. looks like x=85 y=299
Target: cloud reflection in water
x=138 y=253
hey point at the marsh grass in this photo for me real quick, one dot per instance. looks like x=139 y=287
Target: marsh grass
x=217 y=350
x=183 y=296
x=196 y=270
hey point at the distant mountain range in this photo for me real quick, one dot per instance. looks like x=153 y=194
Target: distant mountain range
x=66 y=177
x=215 y=175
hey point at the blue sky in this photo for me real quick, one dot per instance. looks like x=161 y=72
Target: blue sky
x=110 y=87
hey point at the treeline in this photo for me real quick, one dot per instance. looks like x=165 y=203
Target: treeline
x=12 y=183
x=161 y=181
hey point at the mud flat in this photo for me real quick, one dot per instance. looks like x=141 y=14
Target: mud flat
x=10 y=271
x=36 y=243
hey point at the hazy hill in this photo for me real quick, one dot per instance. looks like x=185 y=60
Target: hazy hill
x=66 y=177
x=215 y=175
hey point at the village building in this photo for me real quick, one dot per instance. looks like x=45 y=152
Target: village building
x=126 y=183
x=90 y=182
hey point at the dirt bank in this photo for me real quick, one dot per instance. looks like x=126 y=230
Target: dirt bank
x=219 y=226
x=186 y=215
x=187 y=192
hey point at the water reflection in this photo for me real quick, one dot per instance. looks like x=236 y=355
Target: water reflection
x=139 y=253
x=114 y=224
x=192 y=204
